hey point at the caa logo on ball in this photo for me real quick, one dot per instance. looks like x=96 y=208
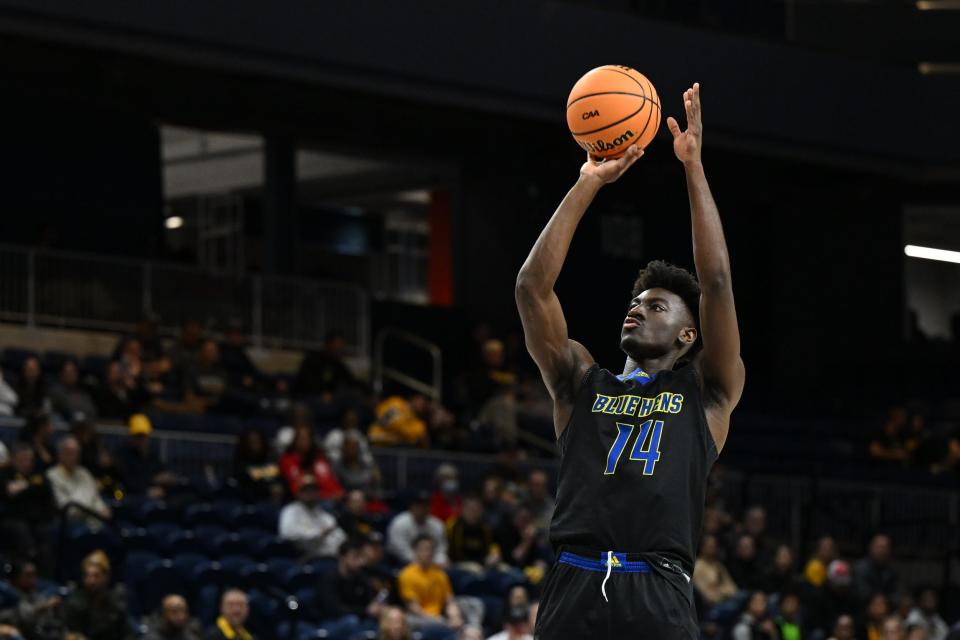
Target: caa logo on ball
x=590 y=114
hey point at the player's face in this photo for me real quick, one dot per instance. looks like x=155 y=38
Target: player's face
x=656 y=322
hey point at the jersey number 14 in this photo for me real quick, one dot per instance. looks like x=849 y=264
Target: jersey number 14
x=646 y=448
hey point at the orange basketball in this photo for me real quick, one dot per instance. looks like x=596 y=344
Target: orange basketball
x=611 y=108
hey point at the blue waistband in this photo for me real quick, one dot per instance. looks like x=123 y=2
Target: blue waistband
x=620 y=563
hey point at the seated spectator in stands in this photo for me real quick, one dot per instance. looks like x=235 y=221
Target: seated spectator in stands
x=893 y=629
x=95 y=456
x=31 y=389
x=353 y=470
x=137 y=364
x=891 y=443
x=755 y=526
x=304 y=457
x=539 y=498
x=234 y=611
x=121 y=395
x=789 y=619
x=397 y=424
x=206 y=378
x=37 y=616
x=745 y=567
x=349 y=425
x=423 y=586
x=354 y=519
x=495 y=510
x=927 y=616
x=242 y=373
x=140 y=467
x=8 y=398
x=874 y=574
x=488 y=394
x=816 y=570
x=256 y=472
x=324 y=373
x=710 y=577
x=38 y=433
x=414 y=523
x=523 y=544
x=147 y=333
x=29 y=510
x=72 y=483
x=756 y=623
x=348 y=590
x=470 y=542
x=306 y=523
x=445 y=503
x=67 y=396
x=393 y=625
x=516 y=625
x=183 y=354
x=843 y=628
x=824 y=604
x=876 y=612
x=173 y=621
x=4 y=455
x=780 y=576
x=375 y=562
x=96 y=610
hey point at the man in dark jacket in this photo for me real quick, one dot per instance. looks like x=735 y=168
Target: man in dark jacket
x=27 y=500
x=96 y=610
x=173 y=622
x=348 y=590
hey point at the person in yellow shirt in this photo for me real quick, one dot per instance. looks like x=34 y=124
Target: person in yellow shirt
x=816 y=570
x=423 y=586
x=398 y=424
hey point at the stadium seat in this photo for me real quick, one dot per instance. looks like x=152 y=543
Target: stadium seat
x=160 y=579
x=186 y=562
x=279 y=569
x=206 y=603
x=323 y=565
x=278 y=548
x=158 y=511
x=228 y=544
x=256 y=574
x=8 y=595
x=234 y=566
x=14 y=358
x=201 y=514
x=246 y=516
x=306 y=598
x=185 y=542
x=269 y=515
x=461 y=579
x=300 y=577
x=436 y=632
x=135 y=538
x=264 y=611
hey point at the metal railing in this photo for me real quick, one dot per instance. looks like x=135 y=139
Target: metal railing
x=433 y=388
x=85 y=291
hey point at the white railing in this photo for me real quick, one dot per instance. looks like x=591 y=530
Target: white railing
x=84 y=291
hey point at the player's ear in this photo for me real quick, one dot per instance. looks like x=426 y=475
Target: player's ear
x=688 y=335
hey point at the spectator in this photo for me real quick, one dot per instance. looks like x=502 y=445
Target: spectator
x=37 y=616
x=469 y=539
x=745 y=566
x=95 y=457
x=354 y=519
x=303 y=456
x=445 y=503
x=843 y=629
x=173 y=622
x=206 y=378
x=892 y=629
x=423 y=586
x=397 y=424
x=140 y=467
x=925 y=615
x=755 y=623
x=789 y=621
x=393 y=625
x=877 y=610
x=12 y=633
x=890 y=444
x=234 y=610
x=38 y=432
x=904 y=606
x=242 y=373
x=471 y=632
x=31 y=389
x=353 y=470
x=96 y=610
x=755 y=526
x=873 y=574
x=184 y=353
x=67 y=396
x=306 y=523
x=710 y=577
x=489 y=395
x=780 y=576
x=8 y=398
x=254 y=469
x=412 y=524
x=72 y=483
x=522 y=543
x=147 y=333
x=122 y=393
x=324 y=373
x=539 y=499
x=142 y=365
x=349 y=425
x=516 y=626
x=382 y=574
x=826 y=603
x=28 y=507
x=495 y=510
x=348 y=590
x=816 y=570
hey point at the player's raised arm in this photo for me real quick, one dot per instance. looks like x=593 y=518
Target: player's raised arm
x=720 y=364
x=562 y=361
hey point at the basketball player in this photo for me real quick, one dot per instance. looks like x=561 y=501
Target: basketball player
x=636 y=447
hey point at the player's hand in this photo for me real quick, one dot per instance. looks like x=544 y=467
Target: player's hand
x=607 y=171
x=687 y=144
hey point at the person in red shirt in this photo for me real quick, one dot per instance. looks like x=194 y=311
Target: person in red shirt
x=304 y=457
x=446 y=503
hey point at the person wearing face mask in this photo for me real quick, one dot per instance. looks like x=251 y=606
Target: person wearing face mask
x=446 y=502
x=308 y=524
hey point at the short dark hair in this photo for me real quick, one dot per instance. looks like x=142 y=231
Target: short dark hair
x=420 y=538
x=677 y=280
x=350 y=544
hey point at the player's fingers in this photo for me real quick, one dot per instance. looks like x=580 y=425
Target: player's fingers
x=688 y=107
x=673 y=126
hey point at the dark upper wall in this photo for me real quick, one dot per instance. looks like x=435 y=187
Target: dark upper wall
x=522 y=58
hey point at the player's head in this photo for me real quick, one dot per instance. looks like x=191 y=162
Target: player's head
x=663 y=314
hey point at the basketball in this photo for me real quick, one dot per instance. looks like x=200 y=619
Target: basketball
x=612 y=107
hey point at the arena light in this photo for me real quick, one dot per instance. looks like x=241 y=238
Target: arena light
x=938 y=5
x=173 y=222
x=928 y=253
x=939 y=68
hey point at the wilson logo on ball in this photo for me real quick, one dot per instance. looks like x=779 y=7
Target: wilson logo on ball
x=602 y=146
x=590 y=114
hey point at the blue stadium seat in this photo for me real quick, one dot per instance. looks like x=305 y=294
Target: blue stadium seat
x=229 y=544
x=185 y=542
x=13 y=358
x=436 y=632
x=264 y=611
x=306 y=597
x=300 y=577
x=137 y=539
x=248 y=516
x=186 y=562
x=461 y=579
x=8 y=595
x=279 y=569
x=206 y=574
x=256 y=575
x=234 y=566
x=161 y=533
x=160 y=579
x=201 y=514
x=324 y=565
x=277 y=548
x=269 y=515
x=157 y=511
x=225 y=509
x=206 y=603
x=492 y=611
